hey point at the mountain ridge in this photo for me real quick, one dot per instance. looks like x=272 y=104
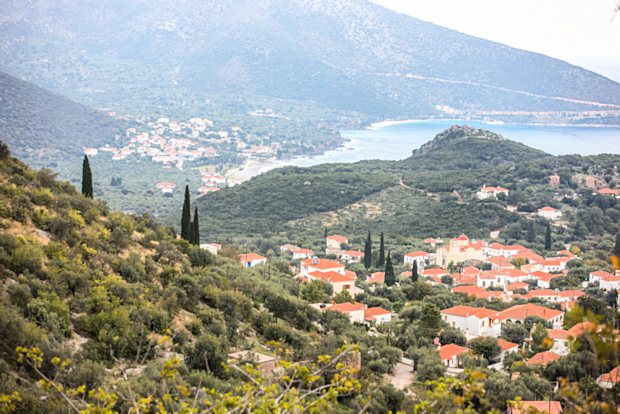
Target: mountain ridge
x=349 y=54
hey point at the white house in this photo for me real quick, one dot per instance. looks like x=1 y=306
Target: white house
x=606 y=280
x=212 y=248
x=519 y=313
x=491 y=192
x=302 y=254
x=315 y=264
x=377 y=315
x=252 y=259
x=422 y=258
x=473 y=322
x=336 y=241
x=350 y=256
x=450 y=353
x=355 y=311
x=549 y=213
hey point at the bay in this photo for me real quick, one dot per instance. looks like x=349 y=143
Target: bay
x=396 y=140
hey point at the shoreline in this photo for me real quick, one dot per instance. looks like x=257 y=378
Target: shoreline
x=392 y=122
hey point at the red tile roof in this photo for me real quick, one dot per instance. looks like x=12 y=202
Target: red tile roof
x=418 y=253
x=346 y=307
x=370 y=313
x=612 y=376
x=466 y=311
x=332 y=277
x=377 y=277
x=521 y=312
x=337 y=238
x=506 y=345
x=543 y=358
x=451 y=350
x=322 y=264
x=250 y=257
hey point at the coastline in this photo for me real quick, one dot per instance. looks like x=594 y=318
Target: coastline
x=391 y=122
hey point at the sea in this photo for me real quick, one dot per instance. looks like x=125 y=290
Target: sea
x=394 y=140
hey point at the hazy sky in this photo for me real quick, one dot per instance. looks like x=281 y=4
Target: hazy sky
x=583 y=32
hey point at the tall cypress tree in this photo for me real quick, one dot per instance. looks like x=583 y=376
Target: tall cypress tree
x=548 y=237
x=531 y=231
x=390 y=277
x=616 y=251
x=87 y=178
x=368 y=252
x=195 y=228
x=414 y=271
x=381 y=260
x=186 y=218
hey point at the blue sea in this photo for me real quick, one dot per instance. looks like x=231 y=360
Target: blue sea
x=395 y=141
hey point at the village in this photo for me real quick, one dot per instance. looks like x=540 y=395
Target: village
x=505 y=284
x=175 y=144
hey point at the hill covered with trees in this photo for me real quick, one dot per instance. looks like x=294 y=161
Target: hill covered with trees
x=431 y=193
x=44 y=127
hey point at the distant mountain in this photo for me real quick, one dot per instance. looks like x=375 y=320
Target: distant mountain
x=39 y=125
x=383 y=194
x=347 y=54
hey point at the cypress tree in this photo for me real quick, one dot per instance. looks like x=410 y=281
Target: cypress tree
x=381 y=260
x=325 y=233
x=186 y=216
x=390 y=277
x=531 y=232
x=548 y=237
x=368 y=252
x=87 y=178
x=195 y=228
x=414 y=271
x=616 y=251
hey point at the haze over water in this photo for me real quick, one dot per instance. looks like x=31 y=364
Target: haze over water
x=396 y=141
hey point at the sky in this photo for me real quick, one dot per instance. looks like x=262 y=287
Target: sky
x=585 y=33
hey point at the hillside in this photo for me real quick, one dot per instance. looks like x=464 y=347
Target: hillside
x=429 y=194
x=109 y=313
x=133 y=307
x=43 y=126
x=345 y=54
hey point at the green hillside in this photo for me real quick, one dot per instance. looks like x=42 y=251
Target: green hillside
x=43 y=127
x=426 y=194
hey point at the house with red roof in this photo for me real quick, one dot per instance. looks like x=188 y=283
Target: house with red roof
x=511 y=287
x=554 y=296
x=606 y=280
x=422 y=258
x=339 y=282
x=252 y=259
x=609 y=192
x=549 y=213
x=507 y=347
x=299 y=254
x=336 y=241
x=435 y=272
x=377 y=315
x=543 y=279
x=473 y=322
x=545 y=407
x=543 y=358
x=609 y=379
x=500 y=263
x=212 y=248
x=376 y=277
x=491 y=192
x=350 y=256
x=289 y=247
x=355 y=311
x=316 y=264
x=450 y=354
x=519 y=313
x=478 y=292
